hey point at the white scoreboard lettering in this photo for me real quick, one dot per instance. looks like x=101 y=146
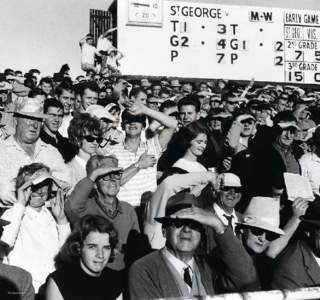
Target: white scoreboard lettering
x=202 y=40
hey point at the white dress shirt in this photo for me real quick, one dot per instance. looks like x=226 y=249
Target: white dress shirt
x=310 y=167
x=220 y=213
x=179 y=265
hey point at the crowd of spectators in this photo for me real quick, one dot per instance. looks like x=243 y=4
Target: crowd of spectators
x=144 y=188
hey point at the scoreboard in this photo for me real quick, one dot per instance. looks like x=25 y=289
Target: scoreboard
x=203 y=40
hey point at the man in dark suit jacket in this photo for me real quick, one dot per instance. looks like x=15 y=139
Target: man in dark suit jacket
x=299 y=266
x=175 y=270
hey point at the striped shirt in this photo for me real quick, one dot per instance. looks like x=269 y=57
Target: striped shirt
x=146 y=179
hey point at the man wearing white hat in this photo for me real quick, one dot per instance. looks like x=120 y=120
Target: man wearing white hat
x=229 y=194
x=25 y=147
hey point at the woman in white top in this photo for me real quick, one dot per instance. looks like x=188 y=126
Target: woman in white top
x=186 y=148
x=85 y=133
x=35 y=233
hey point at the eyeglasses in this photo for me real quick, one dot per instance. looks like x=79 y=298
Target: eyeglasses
x=270 y=236
x=178 y=223
x=112 y=176
x=91 y=139
x=231 y=189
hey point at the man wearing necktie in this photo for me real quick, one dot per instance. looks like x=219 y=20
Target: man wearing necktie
x=228 y=196
x=176 y=271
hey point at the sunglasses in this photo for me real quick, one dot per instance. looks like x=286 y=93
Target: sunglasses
x=112 y=176
x=178 y=223
x=270 y=236
x=248 y=121
x=91 y=139
x=230 y=189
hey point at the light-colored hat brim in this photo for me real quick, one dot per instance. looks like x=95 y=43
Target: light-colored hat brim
x=286 y=125
x=32 y=115
x=262 y=225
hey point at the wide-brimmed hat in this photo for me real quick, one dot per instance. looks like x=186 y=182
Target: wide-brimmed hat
x=100 y=112
x=31 y=108
x=176 y=203
x=264 y=213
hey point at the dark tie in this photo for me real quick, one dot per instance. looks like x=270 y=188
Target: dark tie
x=187 y=277
x=229 y=218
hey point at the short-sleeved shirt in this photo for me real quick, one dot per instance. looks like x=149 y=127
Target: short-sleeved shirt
x=146 y=179
x=13 y=157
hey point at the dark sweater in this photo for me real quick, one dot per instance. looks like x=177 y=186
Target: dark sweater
x=75 y=284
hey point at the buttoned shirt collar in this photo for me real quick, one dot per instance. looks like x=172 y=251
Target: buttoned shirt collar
x=11 y=142
x=178 y=264
x=220 y=212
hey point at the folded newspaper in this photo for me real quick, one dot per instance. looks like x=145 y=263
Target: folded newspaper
x=298 y=187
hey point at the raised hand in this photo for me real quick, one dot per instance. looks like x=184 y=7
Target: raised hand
x=24 y=193
x=57 y=207
x=146 y=160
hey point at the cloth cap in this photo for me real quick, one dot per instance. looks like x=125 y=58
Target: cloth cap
x=100 y=112
x=175 y=83
x=230 y=179
x=30 y=107
x=175 y=203
x=97 y=161
x=264 y=213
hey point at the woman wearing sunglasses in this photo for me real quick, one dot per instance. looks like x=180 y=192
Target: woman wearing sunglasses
x=81 y=264
x=262 y=236
x=85 y=133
